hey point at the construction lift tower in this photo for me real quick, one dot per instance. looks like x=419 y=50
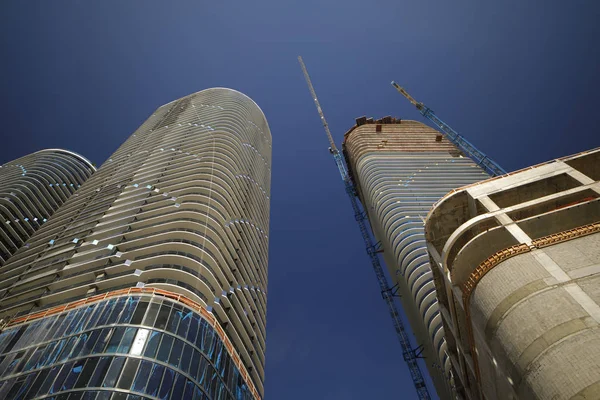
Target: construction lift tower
x=489 y=165
x=410 y=354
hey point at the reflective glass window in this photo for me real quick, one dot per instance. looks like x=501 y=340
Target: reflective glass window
x=60 y=377
x=128 y=373
x=141 y=379
x=128 y=310
x=138 y=315
x=155 y=379
x=178 y=387
x=195 y=364
x=90 y=342
x=87 y=372
x=128 y=336
x=165 y=348
x=97 y=312
x=106 y=312
x=175 y=356
x=174 y=320
x=184 y=324
x=150 y=316
x=153 y=343
x=73 y=375
x=115 y=339
x=114 y=316
x=163 y=316
x=189 y=389
x=38 y=382
x=102 y=340
x=186 y=356
x=37 y=353
x=166 y=384
x=113 y=372
x=44 y=387
x=99 y=372
x=83 y=338
x=193 y=329
x=67 y=348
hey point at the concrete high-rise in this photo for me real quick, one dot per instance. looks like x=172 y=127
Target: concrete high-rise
x=31 y=190
x=400 y=168
x=517 y=269
x=151 y=279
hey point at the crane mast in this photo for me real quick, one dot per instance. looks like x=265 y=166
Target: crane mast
x=489 y=165
x=409 y=354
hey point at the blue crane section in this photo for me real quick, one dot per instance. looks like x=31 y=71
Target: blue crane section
x=410 y=355
x=489 y=165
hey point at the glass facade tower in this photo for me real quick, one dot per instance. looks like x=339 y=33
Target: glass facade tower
x=150 y=281
x=401 y=168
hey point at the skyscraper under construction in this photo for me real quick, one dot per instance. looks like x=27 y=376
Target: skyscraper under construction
x=400 y=169
x=151 y=279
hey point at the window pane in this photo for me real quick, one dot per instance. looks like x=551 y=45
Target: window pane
x=73 y=375
x=113 y=372
x=89 y=343
x=174 y=320
x=175 y=356
x=67 y=349
x=38 y=382
x=128 y=373
x=184 y=324
x=193 y=330
x=178 y=387
x=195 y=364
x=128 y=336
x=34 y=358
x=64 y=371
x=151 y=314
x=189 y=389
x=102 y=340
x=96 y=315
x=106 y=312
x=87 y=372
x=83 y=338
x=117 y=311
x=155 y=379
x=186 y=356
x=163 y=316
x=165 y=348
x=138 y=315
x=130 y=305
x=142 y=376
x=115 y=339
x=49 y=379
x=100 y=372
x=167 y=383
x=152 y=344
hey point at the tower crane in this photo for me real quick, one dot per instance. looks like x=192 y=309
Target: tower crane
x=410 y=355
x=489 y=165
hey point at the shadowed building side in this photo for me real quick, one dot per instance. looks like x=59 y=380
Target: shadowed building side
x=32 y=188
x=518 y=259
x=152 y=278
x=401 y=168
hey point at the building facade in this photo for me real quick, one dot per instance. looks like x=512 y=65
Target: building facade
x=517 y=269
x=150 y=281
x=400 y=168
x=32 y=188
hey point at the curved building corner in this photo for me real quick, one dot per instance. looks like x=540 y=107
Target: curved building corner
x=518 y=261
x=400 y=169
x=150 y=282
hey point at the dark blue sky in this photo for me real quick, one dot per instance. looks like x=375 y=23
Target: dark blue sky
x=519 y=78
